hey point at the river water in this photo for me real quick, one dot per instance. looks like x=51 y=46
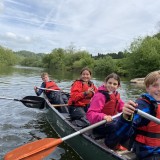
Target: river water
x=19 y=124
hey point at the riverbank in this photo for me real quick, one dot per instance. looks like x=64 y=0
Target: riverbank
x=137 y=80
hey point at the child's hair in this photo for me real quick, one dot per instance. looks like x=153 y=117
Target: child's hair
x=113 y=75
x=86 y=69
x=44 y=74
x=151 y=78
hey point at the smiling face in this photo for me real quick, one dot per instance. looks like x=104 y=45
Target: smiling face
x=111 y=85
x=45 y=78
x=154 y=90
x=86 y=76
x=152 y=84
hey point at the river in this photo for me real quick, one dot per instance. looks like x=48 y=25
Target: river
x=19 y=124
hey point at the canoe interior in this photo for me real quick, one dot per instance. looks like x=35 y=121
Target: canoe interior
x=87 y=147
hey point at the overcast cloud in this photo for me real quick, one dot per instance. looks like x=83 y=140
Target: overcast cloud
x=98 y=26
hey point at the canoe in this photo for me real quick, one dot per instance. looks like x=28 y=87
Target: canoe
x=87 y=147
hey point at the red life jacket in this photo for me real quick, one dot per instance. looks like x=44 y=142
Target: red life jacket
x=83 y=99
x=51 y=85
x=150 y=134
x=111 y=105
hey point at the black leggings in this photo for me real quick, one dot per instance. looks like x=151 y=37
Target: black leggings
x=77 y=112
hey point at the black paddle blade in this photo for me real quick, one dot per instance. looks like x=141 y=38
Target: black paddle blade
x=33 y=102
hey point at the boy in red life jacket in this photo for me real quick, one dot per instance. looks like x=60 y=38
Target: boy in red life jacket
x=82 y=90
x=146 y=142
x=54 y=96
x=106 y=102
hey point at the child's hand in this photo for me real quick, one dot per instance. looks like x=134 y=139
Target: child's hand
x=129 y=109
x=108 y=118
x=91 y=90
x=35 y=88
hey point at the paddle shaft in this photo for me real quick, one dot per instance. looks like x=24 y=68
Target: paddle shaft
x=59 y=105
x=10 y=98
x=88 y=128
x=147 y=116
x=48 y=89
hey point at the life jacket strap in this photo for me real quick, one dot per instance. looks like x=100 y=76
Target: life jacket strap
x=148 y=134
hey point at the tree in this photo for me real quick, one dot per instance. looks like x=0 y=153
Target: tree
x=55 y=59
x=7 y=57
x=144 y=57
x=105 y=66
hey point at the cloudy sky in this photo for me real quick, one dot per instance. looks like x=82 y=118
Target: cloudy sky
x=98 y=26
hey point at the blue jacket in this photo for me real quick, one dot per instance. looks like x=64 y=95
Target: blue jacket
x=124 y=129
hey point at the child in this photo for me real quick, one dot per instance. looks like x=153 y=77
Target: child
x=144 y=133
x=82 y=91
x=55 y=97
x=106 y=102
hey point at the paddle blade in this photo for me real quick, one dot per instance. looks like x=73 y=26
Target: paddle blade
x=33 y=102
x=35 y=150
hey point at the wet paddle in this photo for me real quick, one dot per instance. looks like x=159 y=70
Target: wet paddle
x=29 y=101
x=39 y=149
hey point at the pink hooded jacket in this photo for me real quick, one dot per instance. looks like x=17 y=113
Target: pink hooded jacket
x=94 y=113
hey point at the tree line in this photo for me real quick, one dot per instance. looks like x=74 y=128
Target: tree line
x=141 y=58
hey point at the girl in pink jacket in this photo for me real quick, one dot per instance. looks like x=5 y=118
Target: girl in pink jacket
x=105 y=103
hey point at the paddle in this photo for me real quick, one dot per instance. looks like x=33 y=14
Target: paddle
x=47 y=89
x=29 y=101
x=39 y=149
x=59 y=105
x=147 y=116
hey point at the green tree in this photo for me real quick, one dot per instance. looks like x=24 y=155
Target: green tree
x=82 y=59
x=27 y=58
x=55 y=59
x=144 y=57
x=105 y=66
x=7 y=57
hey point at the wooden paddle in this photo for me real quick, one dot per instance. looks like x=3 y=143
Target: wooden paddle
x=29 y=101
x=39 y=149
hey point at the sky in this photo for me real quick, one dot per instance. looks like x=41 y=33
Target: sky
x=98 y=26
